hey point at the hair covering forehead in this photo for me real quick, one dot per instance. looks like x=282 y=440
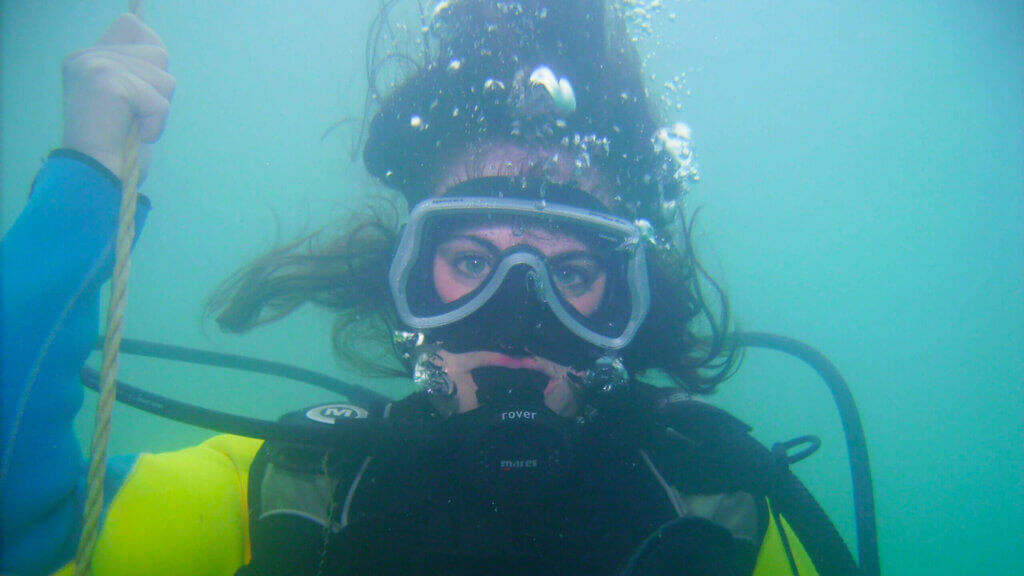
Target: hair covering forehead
x=477 y=88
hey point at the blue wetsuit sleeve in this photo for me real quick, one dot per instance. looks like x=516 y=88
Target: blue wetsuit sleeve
x=53 y=261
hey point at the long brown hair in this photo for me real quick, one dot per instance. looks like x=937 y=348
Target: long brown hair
x=342 y=268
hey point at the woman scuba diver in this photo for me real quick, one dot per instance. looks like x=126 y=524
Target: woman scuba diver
x=544 y=268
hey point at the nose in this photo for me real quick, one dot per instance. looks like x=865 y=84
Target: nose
x=518 y=311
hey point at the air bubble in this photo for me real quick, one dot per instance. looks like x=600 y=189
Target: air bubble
x=491 y=85
x=560 y=89
x=439 y=8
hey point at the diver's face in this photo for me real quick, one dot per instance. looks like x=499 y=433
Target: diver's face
x=467 y=255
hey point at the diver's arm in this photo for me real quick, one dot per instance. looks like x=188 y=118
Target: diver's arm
x=163 y=512
x=52 y=264
x=54 y=260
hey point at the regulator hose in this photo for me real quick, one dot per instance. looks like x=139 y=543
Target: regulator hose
x=856 y=445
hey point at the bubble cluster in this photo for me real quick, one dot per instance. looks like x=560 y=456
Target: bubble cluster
x=674 y=143
x=675 y=140
x=587 y=148
x=639 y=14
x=675 y=89
x=506 y=8
x=429 y=374
x=641 y=17
x=407 y=342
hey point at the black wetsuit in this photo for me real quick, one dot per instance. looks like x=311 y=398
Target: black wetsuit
x=669 y=463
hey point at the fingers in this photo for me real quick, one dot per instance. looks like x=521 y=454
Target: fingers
x=156 y=77
x=143 y=60
x=148 y=66
x=121 y=80
x=151 y=98
x=149 y=105
x=144 y=88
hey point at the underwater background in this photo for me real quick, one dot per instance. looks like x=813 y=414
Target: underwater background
x=862 y=189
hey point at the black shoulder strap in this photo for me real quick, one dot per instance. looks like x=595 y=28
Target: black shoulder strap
x=705 y=438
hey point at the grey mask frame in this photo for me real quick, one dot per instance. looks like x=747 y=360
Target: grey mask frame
x=632 y=244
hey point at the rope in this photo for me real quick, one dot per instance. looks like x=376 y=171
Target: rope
x=111 y=345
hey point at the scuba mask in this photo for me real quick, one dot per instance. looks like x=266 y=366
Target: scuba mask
x=460 y=256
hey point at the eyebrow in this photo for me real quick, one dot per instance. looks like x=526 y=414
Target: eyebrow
x=473 y=239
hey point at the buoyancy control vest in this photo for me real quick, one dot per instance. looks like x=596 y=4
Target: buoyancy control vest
x=670 y=469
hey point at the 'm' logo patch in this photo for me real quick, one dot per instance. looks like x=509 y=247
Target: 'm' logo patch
x=329 y=413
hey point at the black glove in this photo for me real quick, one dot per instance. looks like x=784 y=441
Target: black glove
x=685 y=547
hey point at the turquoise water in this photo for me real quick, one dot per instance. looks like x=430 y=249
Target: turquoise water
x=862 y=187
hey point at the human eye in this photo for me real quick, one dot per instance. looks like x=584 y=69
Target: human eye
x=575 y=277
x=471 y=265
x=466 y=257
